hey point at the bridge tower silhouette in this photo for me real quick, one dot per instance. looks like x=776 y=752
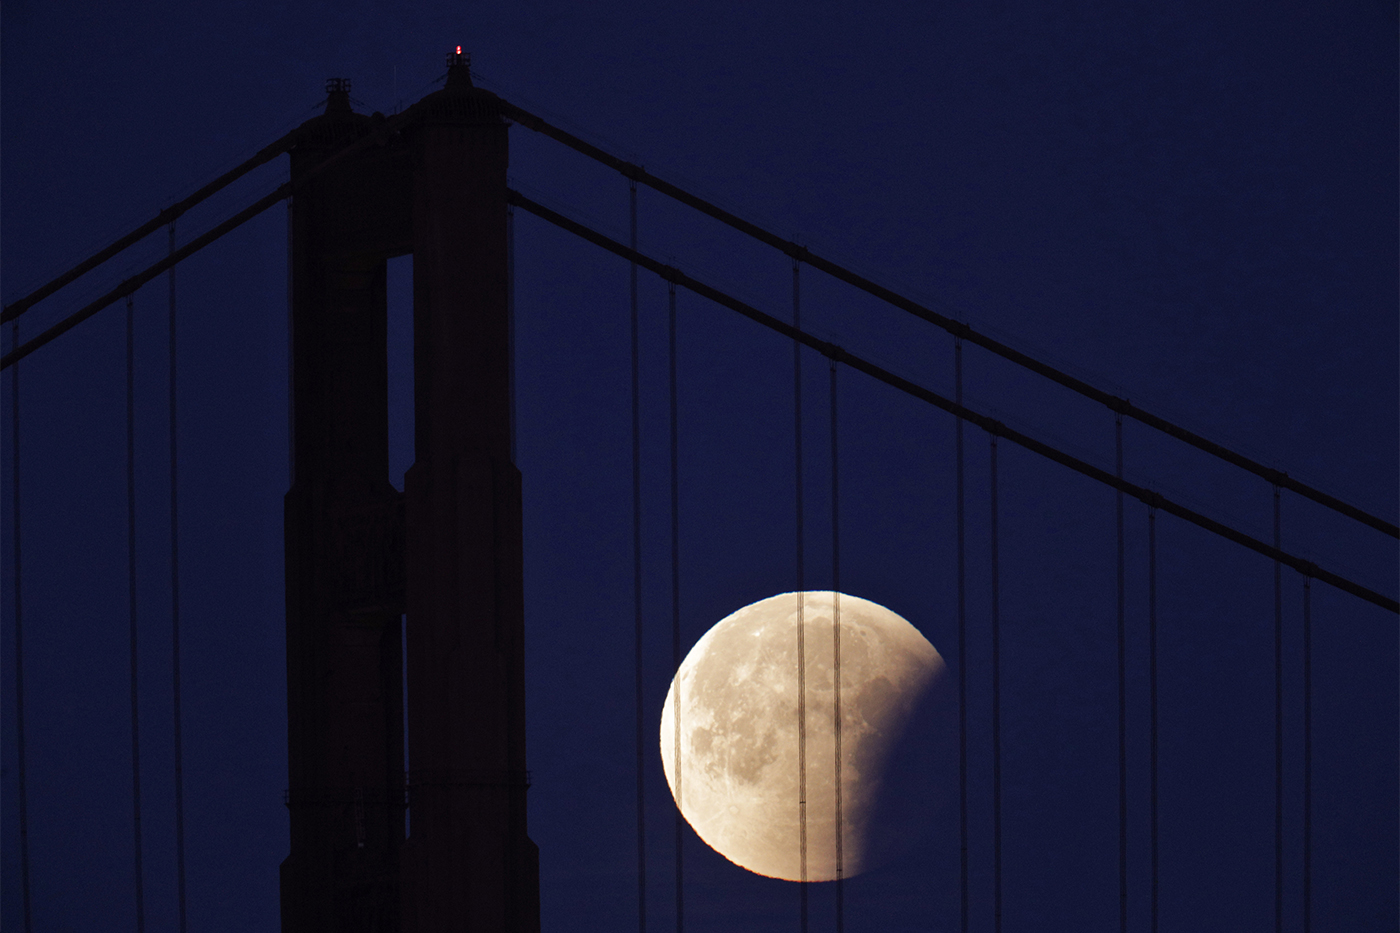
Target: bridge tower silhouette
x=446 y=552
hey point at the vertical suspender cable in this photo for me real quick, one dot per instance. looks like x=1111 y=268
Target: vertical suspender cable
x=131 y=590
x=1152 y=693
x=836 y=659
x=637 y=575
x=1122 y=703
x=801 y=609
x=996 y=706
x=962 y=651
x=676 y=618
x=19 y=641
x=1307 y=754
x=175 y=613
x=1278 y=720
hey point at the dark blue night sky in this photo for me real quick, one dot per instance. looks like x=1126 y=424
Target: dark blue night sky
x=1189 y=205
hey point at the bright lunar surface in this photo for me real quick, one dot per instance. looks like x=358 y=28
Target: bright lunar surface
x=734 y=706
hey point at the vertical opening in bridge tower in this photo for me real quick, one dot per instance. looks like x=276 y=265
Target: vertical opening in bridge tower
x=399 y=341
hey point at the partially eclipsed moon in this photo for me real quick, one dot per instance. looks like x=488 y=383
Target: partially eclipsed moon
x=739 y=784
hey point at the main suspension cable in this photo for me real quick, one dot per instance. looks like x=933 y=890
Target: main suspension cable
x=985 y=422
x=168 y=216
x=131 y=284
x=956 y=328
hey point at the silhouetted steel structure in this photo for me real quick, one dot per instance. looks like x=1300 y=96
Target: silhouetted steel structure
x=446 y=552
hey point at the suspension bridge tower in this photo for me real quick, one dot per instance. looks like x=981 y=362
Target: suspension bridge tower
x=445 y=553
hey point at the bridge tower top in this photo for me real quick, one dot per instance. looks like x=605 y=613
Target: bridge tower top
x=459 y=75
x=337 y=95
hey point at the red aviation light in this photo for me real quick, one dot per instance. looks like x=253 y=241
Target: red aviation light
x=459 y=50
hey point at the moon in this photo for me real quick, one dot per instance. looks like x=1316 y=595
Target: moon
x=730 y=738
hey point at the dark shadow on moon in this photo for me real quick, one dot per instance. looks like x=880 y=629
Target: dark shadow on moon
x=919 y=789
